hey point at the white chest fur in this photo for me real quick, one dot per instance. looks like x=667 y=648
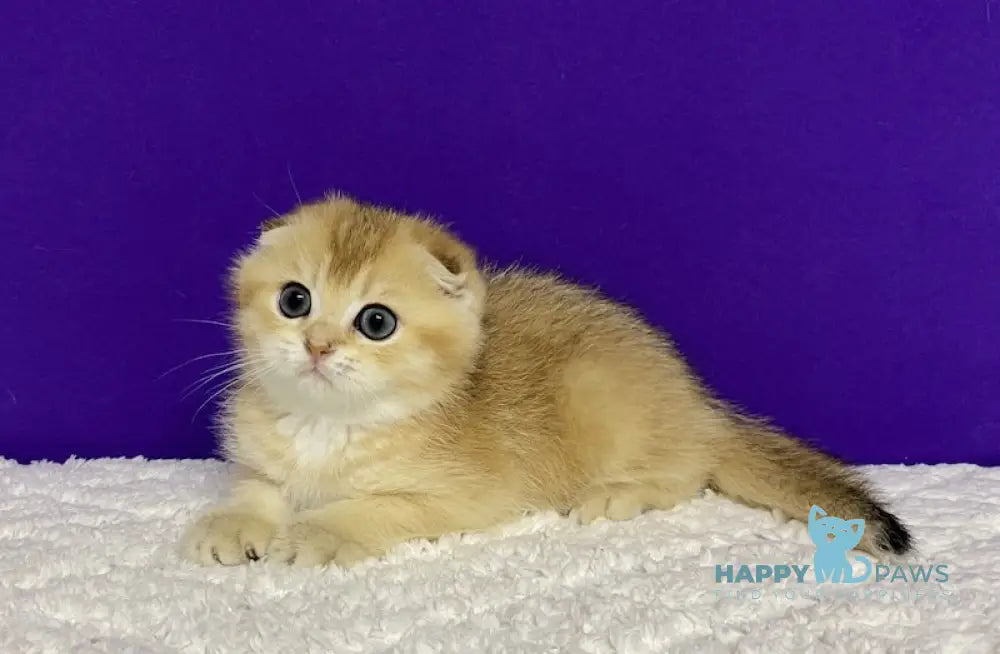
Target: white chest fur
x=316 y=441
x=323 y=458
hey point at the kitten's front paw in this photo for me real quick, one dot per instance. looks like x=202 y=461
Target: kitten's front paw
x=306 y=543
x=224 y=538
x=612 y=507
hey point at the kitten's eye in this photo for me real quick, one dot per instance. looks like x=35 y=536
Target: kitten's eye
x=294 y=300
x=376 y=322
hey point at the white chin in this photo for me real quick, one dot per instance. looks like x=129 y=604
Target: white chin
x=323 y=385
x=302 y=392
x=333 y=395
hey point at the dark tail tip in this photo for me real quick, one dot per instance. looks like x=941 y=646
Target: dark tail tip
x=892 y=535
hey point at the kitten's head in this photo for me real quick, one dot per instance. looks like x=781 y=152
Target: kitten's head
x=356 y=311
x=825 y=530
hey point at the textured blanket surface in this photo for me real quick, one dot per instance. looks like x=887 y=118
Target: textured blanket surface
x=88 y=564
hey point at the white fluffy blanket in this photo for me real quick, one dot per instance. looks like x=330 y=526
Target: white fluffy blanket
x=87 y=564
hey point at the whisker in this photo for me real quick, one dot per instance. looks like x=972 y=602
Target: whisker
x=212 y=397
x=221 y=366
x=211 y=388
x=229 y=385
x=194 y=386
x=198 y=358
x=218 y=371
x=294 y=188
x=266 y=205
x=202 y=321
x=242 y=358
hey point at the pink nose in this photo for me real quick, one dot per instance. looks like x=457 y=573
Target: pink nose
x=318 y=350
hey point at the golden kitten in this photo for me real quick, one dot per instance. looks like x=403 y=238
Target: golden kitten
x=392 y=389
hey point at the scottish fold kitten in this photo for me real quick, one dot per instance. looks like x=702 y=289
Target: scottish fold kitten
x=834 y=538
x=393 y=389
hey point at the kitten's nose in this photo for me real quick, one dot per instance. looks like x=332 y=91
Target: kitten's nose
x=319 y=349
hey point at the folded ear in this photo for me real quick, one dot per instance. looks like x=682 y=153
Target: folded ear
x=451 y=264
x=272 y=229
x=857 y=526
x=273 y=223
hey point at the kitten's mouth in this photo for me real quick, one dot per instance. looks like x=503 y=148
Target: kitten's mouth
x=830 y=538
x=313 y=372
x=327 y=374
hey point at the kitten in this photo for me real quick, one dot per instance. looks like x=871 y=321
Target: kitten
x=392 y=390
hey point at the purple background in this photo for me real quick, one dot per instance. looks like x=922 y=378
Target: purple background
x=807 y=195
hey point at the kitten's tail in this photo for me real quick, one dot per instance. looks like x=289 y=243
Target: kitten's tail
x=761 y=466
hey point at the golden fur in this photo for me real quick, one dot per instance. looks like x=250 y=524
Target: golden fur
x=501 y=393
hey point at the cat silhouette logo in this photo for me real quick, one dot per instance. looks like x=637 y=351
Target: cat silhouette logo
x=834 y=538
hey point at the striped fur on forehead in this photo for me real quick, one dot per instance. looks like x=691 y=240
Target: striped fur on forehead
x=357 y=236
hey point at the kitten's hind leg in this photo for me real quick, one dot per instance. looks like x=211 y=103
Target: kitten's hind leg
x=626 y=501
